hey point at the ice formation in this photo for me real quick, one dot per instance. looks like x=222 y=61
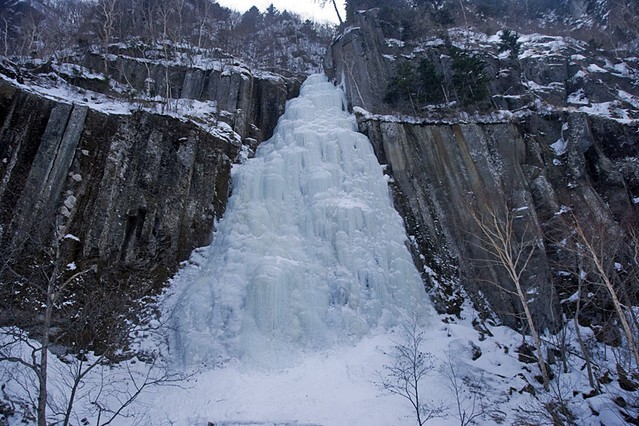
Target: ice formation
x=310 y=251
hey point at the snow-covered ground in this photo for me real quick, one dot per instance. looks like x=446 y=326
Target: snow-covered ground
x=335 y=386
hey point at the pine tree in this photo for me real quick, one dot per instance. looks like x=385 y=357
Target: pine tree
x=508 y=42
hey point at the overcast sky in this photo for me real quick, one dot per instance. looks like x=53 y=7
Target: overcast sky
x=307 y=8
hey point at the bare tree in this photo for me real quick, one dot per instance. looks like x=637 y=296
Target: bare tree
x=322 y=3
x=107 y=14
x=513 y=253
x=203 y=9
x=31 y=33
x=55 y=285
x=78 y=370
x=596 y=248
x=57 y=293
x=5 y=36
x=81 y=376
x=38 y=360
x=405 y=373
x=469 y=400
x=84 y=377
x=582 y=345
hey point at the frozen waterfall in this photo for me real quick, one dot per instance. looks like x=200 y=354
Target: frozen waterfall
x=310 y=252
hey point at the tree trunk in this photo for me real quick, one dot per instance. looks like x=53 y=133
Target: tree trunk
x=597 y=258
x=535 y=335
x=339 y=17
x=501 y=242
x=44 y=355
x=582 y=345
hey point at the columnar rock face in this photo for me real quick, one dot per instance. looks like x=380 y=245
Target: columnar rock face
x=120 y=199
x=446 y=175
x=539 y=167
x=356 y=60
x=252 y=102
x=131 y=192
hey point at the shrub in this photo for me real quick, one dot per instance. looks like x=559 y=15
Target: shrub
x=419 y=85
x=402 y=85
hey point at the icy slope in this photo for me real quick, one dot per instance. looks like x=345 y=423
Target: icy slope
x=310 y=252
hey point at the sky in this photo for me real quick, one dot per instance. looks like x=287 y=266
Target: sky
x=308 y=9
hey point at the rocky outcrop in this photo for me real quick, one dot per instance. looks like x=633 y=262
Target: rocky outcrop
x=545 y=168
x=356 y=60
x=118 y=200
x=250 y=102
x=125 y=196
x=448 y=175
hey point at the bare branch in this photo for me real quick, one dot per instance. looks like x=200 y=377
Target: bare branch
x=514 y=255
x=409 y=366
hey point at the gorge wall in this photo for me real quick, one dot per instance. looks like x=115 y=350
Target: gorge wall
x=539 y=161
x=121 y=198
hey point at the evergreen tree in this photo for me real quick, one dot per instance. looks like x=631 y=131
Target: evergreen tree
x=251 y=20
x=509 y=42
x=469 y=78
x=430 y=82
x=403 y=85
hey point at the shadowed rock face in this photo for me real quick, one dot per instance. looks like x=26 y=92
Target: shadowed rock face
x=542 y=167
x=446 y=174
x=132 y=188
x=121 y=199
x=127 y=196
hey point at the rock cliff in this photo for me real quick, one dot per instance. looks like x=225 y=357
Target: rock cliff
x=535 y=156
x=252 y=101
x=119 y=197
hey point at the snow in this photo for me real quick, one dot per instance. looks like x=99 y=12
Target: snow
x=579 y=75
x=622 y=69
x=349 y=30
x=499 y=116
x=578 y=98
x=94 y=100
x=628 y=98
x=201 y=113
x=337 y=381
x=339 y=385
x=540 y=46
x=532 y=85
x=596 y=68
x=291 y=315
x=611 y=110
x=77 y=70
x=393 y=42
x=436 y=42
x=559 y=147
x=332 y=387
